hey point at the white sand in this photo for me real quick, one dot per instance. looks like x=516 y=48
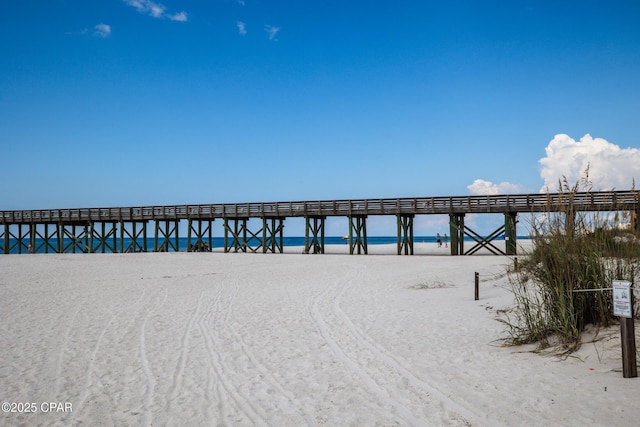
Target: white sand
x=286 y=340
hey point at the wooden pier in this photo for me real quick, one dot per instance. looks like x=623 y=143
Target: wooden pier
x=106 y=229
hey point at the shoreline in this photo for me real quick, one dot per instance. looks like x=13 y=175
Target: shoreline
x=387 y=248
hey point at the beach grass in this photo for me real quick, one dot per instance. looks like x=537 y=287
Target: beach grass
x=564 y=284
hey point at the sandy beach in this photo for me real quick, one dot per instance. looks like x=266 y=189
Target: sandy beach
x=286 y=340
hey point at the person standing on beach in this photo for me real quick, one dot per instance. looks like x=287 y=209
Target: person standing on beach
x=446 y=240
x=438 y=240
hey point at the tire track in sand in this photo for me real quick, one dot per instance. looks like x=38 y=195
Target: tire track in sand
x=63 y=348
x=146 y=368
x=265 y=373
x=176 y=383
x=88 y=385
x=356 y=350
x=338 y=350
x=381 y=354
x=208 y=323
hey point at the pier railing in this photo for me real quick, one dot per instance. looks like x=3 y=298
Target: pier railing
x=510 y=203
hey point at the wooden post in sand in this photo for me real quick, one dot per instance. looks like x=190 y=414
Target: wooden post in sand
x=628 y=336
x=477 y=294
x=623 y=308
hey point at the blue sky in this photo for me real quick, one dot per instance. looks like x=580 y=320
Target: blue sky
x=139 y=102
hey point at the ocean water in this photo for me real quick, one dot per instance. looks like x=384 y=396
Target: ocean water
x=217 y=242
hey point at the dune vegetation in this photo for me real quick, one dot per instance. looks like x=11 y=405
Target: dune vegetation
x=564 y=284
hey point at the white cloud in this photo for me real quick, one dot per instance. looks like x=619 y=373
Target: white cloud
x=180 y=17
x=482 y=187
x=242 y=28
x=273 y=31
x=609 y=165
x=146 y=6
x=102 y=30
x=157 y=10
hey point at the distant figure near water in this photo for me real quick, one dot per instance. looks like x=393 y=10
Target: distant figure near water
x=446 y=240
x=200 y=247
x=438 y=240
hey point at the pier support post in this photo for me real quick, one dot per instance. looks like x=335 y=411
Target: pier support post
x=459 y=231
x=358 y=234
x=21 y=240
x=510 y=235
x=225 y=235
x=166 y=236
x=24 y=238
x=46 y=237
x=33 y=233
x=315 y=225
x=269 y=238
x=134 y=235
x=272 y=239
x=103 y=238
x=201 y=229
x=456 y=228
x=5 y=238
x=405 y=234
x=238 y=235
x=78 y=236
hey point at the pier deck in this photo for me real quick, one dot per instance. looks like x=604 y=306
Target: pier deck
x=519 y=203
x=235 y=216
